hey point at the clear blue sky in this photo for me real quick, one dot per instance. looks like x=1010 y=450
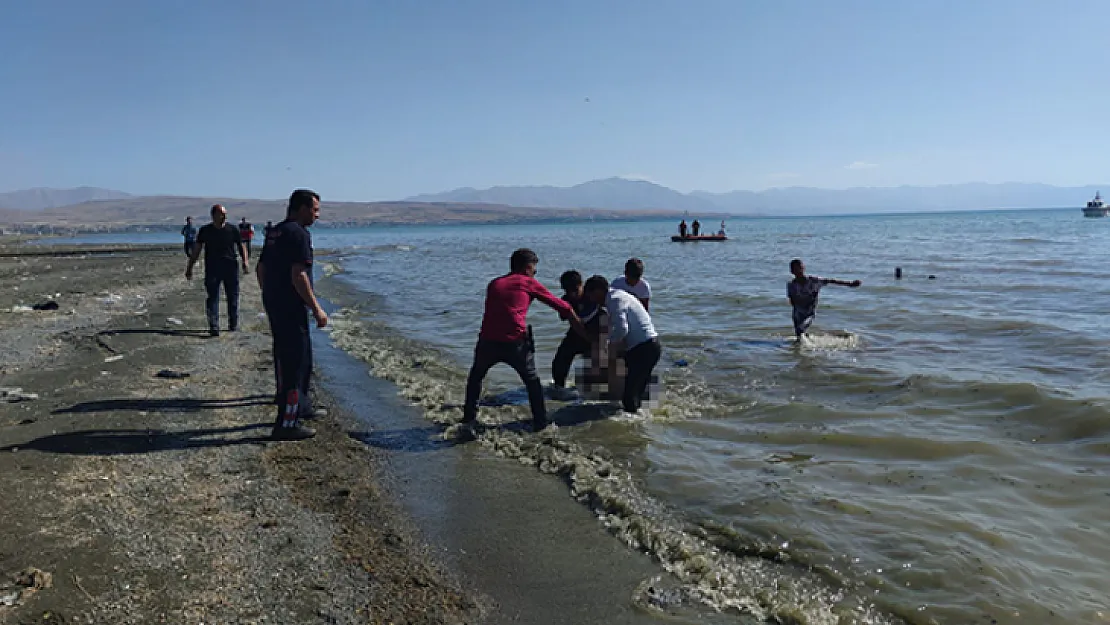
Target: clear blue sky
x=367 y=100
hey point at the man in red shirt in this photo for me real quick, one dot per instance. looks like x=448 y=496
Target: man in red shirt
x=506 y=337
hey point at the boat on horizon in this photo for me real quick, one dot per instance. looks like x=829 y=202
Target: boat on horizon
x=701 y=237
x=1096 y=207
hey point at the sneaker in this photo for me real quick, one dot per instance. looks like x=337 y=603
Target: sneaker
x=213 y=331
x=315 y=413
x=296 y=433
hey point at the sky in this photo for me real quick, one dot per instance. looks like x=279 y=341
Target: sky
x=383 y=99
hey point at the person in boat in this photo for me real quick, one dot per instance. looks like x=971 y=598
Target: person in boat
x=803 y=291
x=575 y=343
x=721 y=232
x=682 y=229
x=633 y=281
x=696 y=227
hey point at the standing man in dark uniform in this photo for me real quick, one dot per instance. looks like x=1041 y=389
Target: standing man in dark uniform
x=220 y=242
x=285 y=275
x=246 y=232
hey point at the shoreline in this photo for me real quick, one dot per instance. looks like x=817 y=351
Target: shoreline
x=148 y=500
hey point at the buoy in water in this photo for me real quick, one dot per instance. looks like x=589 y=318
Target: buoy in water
x=897 y=273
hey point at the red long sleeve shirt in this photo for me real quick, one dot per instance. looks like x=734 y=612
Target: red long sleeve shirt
x=507 y=302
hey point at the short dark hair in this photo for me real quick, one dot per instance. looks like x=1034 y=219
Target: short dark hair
x=301 y=198
x=215 y=207
x=797 y=262
x=596 y=283
x=634 y=268
x=570 y=280
x=522 y=258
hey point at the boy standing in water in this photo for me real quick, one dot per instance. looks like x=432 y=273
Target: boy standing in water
x=803 y=291
x=575 y=344
x=633 y=281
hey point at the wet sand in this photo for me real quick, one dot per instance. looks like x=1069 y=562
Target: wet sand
x=154 y=500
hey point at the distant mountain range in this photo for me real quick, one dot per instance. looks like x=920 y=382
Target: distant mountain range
x=41 y=198
x=624 y=194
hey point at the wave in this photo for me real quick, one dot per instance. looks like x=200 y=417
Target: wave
x=758 y=582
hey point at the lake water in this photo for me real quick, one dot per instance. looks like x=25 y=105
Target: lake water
x=939 y=453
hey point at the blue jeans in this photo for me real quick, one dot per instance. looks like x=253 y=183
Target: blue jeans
x=226 y=274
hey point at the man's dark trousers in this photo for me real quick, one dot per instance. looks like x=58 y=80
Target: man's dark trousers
x=639 y=362
x=292 y=361
x=571 y=346
x=520 y=355
x=227 y=274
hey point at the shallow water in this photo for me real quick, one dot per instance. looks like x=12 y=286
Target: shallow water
x=940 y=451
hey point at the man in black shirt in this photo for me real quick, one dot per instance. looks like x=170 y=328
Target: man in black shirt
x=220 y=242
x=285 y=275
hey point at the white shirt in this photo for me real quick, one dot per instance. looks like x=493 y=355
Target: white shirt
x=628 y=319
x=642 y=289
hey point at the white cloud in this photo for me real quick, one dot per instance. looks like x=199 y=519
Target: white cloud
x=860 y=165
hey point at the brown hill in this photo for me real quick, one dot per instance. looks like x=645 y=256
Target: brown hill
x=168 y=212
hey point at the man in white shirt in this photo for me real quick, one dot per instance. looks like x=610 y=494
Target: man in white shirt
x=632 y=334
x=633 y=281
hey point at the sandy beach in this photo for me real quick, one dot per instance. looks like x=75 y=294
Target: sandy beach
x=133 y=498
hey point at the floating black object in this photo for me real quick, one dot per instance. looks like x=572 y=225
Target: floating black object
x=50 y=305
x=897 y=273
x=171 y=374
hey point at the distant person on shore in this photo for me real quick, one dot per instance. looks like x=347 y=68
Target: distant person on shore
x=246 y=232
x=506 y=337
x=575 y=344
x=803 y=291
x=190 y=234
x=220 y=242
x=633 y=281
x=266 y=231
x=682 y=229
x=284 y=274
x=696 y=227
x=631 y=336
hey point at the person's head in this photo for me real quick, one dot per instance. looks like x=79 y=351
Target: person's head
x=597 y=287
x=524 y=261
x=244 y=220
x=269 y=223
x=219 y=214
x=571 y=281
x=304 y=207
x=634 y=270
x=189 y=220
x=798 y=268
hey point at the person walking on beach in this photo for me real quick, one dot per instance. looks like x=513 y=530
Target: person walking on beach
x=803 y=291
x=190 y=234
x=575 y=344
x=220 y=242
x=631 y=335
x=284 y=274
x=246 y=232
x=266 y=231
x=633 y=281
x=506 y=337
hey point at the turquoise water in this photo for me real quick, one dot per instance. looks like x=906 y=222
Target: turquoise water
x=939 y=451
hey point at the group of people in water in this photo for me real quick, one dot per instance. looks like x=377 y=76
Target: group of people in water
x=610 y=323
x=695 y=229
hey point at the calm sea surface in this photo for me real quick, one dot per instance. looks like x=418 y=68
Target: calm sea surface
x=941 y=450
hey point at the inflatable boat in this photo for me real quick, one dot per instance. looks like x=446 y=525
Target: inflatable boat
x=701 y=237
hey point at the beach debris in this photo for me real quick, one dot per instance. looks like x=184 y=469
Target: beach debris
x=171 y=374
x=24 y=584
x=47 y=305
x=175 y=321
x=114 y=358
x=14 y=394
x=21 y=308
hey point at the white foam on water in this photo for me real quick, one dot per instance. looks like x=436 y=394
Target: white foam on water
x=765 y=586
x=834 y=341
